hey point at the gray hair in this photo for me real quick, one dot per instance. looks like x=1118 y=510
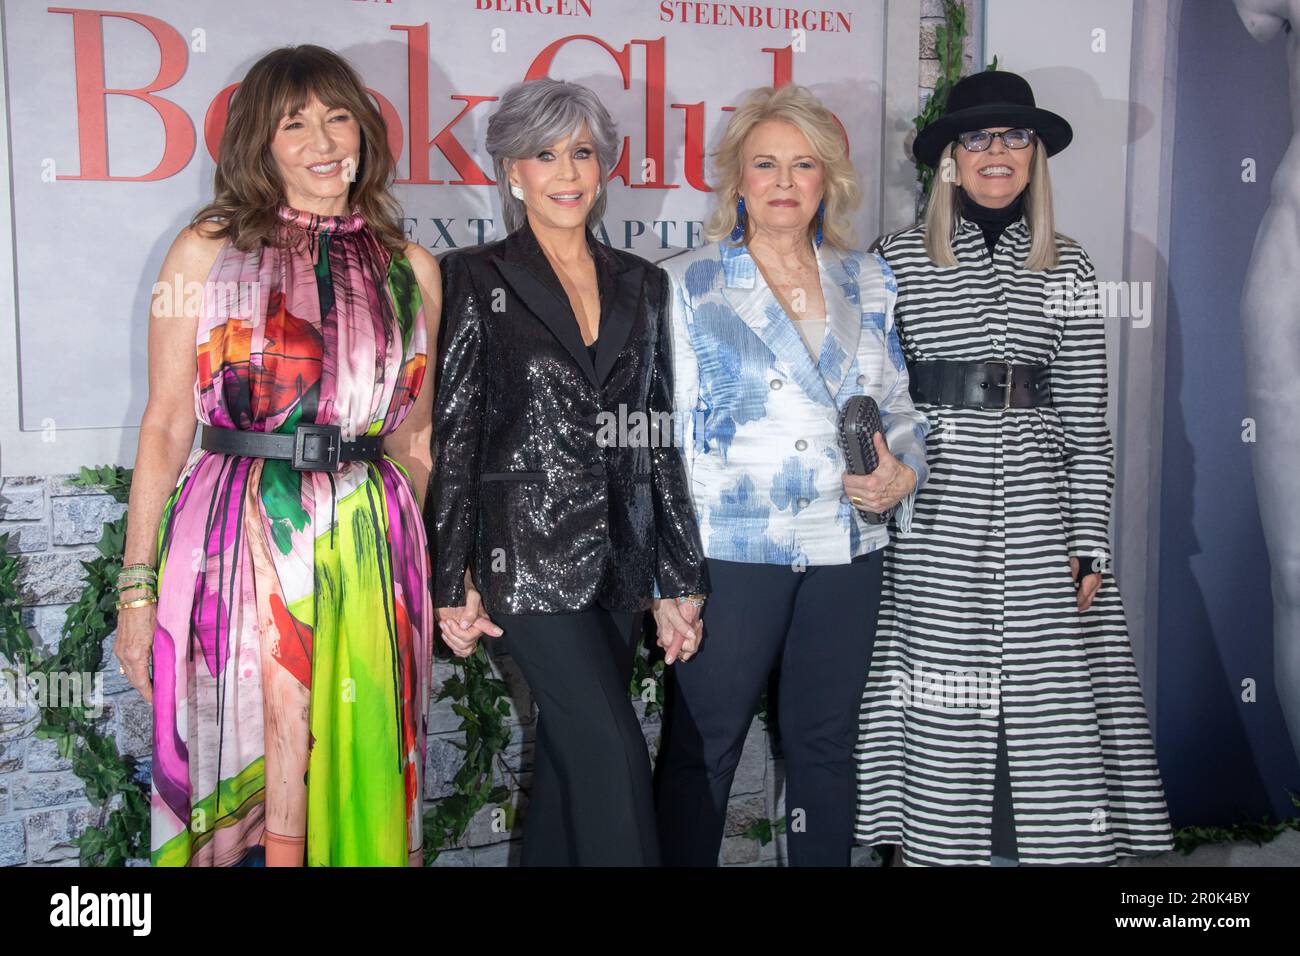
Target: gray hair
x=533 y=115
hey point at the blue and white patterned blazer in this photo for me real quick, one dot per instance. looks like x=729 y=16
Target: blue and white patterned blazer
x=760 y=418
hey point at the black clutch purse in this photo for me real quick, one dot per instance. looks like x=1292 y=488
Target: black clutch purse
x=859 y=420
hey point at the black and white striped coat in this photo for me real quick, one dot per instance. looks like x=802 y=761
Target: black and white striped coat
x=978 y=627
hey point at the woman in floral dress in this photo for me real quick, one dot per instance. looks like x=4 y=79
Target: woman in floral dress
x=292 y=632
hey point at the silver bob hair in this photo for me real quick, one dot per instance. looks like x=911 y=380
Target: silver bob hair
x=533 y=115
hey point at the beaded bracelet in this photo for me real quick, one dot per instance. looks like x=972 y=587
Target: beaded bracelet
x=137 y=576
x=134 y=585
x=126 y=579
x=146 y=591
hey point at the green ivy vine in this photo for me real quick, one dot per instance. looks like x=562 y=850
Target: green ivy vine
x=111 y=779
x=1187 y=839
x=482 y=700
x=949 y=38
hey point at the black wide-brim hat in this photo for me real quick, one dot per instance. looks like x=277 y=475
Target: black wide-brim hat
x=991 y=98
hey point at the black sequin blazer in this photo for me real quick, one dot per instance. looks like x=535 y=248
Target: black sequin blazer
x=535 y=487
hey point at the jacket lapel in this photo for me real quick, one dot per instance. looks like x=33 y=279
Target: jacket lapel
x=524 y=266
x=620 y=288
x=749 y=295
x=843 y=317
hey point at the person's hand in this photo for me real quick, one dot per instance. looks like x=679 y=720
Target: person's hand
x=462 y=626
x=691 y=608
x=890 y=483
x=680 y=628
x=1091 y=585
x=133 y=646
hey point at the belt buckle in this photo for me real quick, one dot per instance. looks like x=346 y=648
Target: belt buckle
x=333 y=445
x=1006 y=401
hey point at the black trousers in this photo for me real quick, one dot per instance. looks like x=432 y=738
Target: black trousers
x=591 y=802
x=1004 y=826
x=817 y=626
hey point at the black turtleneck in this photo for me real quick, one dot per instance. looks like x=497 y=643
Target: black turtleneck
x=991 y=221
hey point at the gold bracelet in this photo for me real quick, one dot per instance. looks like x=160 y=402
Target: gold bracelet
x=138 y=602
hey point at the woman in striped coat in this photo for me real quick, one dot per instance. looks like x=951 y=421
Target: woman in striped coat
x=1003 y=718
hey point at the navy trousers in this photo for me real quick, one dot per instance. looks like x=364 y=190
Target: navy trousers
x=815 y=627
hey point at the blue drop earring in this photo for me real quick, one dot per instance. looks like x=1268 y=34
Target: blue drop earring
x=738 y=232
x=821 y=214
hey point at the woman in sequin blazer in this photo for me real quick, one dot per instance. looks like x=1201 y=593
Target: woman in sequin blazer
x=557 y=494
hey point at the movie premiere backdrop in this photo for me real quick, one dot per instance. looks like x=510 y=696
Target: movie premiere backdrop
x=116 y=113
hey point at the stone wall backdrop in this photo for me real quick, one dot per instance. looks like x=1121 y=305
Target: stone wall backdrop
x=54 y=526
x=932 y=17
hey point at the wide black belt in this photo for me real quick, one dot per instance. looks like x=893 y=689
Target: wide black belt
x=308 y=447
x=979 y=384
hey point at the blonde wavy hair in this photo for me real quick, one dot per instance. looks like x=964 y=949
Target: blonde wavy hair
x=797 y=106
x=944 y=205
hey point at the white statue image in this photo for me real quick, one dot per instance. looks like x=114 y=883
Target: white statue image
x=1270 y=318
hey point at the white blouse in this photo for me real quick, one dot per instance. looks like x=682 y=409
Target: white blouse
x=813 y=332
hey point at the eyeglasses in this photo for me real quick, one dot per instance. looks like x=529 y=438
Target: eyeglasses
x=978 y=140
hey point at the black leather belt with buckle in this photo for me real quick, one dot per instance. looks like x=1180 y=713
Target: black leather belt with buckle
x=979 y=384
x=307 y=447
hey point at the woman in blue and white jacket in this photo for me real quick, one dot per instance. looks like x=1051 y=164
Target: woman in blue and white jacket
x=795 y=569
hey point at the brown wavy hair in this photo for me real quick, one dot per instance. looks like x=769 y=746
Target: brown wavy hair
x=247 y=186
